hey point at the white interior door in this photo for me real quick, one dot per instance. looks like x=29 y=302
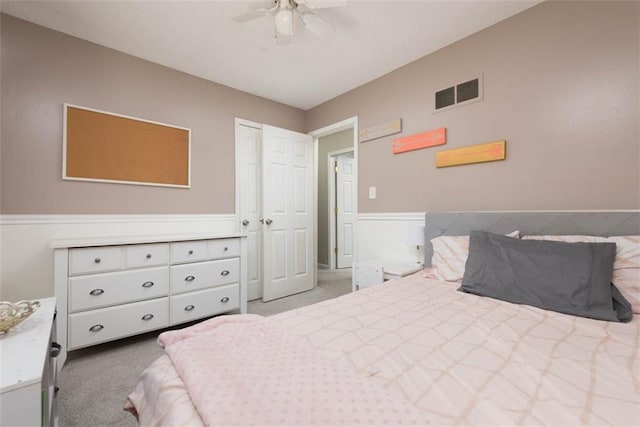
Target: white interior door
x=345 y=215
x=250 y=203
x=287 y=203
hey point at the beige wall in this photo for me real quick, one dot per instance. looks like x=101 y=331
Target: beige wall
x=327 y=144
x=561 y=85
x=41 y=69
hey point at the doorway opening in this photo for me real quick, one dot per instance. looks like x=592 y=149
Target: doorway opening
x=337 y=239
x=341 y=197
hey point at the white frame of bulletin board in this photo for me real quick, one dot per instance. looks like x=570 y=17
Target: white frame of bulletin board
x=100 y=146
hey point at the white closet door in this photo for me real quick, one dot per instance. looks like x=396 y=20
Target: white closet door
x=287 y=203
x=345 y=217
x=250 y=198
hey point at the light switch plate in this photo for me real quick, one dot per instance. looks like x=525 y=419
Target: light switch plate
x=372 y=192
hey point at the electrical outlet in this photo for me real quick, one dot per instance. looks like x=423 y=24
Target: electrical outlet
x=372 y=192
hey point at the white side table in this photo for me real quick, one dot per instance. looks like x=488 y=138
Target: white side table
x=369 y=273
x=395 y=269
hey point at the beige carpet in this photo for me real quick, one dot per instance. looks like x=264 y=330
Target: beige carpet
x=95 y=381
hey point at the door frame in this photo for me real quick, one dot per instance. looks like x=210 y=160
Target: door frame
x=331 y=176
x=350 y=123
x=237 y=227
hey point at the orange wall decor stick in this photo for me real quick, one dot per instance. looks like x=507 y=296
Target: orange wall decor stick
x=420 y=140
x=489 y=152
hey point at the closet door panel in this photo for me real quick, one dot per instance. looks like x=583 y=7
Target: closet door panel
x=288 y=212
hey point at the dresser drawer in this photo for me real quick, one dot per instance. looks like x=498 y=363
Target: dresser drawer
x=93 y=327
x=95 y=260
x=190 y=277
x=102 y=290
x=182 y=252
x=146 y=255
x=223 y=248
x=195 y=305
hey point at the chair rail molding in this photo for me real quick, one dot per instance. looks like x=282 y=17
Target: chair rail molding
x=14 y=219
x=391 y=216
x=26 y=260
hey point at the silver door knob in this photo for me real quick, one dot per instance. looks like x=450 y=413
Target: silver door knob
x=268 y=221
x=245 y=222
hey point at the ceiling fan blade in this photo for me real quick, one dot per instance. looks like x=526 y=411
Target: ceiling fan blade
x=317 y=25
x=321 y=4
x=248 y=16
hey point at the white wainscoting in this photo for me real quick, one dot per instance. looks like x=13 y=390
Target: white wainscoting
x=384 y=236
x=26 y=261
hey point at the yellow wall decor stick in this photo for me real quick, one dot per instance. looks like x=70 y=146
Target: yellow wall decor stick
x=480 y=153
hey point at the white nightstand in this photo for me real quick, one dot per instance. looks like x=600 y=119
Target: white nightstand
x=369 y=273
x=28 y=373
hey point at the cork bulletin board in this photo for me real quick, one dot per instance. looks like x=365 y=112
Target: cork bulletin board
x=108 y=147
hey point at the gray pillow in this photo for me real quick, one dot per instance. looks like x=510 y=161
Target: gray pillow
x=571 y=278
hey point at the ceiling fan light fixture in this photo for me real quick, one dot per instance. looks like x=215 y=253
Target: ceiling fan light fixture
x=284 y=21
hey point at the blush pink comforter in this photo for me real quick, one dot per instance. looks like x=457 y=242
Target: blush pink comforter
x=247 y=370
x=458 y=358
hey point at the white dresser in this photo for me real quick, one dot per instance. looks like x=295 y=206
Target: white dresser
x=111 y=288
x=28 y=370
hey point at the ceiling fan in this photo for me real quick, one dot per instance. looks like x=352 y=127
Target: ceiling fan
x=287 y=14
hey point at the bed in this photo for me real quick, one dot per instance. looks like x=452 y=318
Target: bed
x=412 y=351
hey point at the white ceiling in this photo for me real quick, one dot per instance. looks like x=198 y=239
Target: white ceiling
x=371 y=39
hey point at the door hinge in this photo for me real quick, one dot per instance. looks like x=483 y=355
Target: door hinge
x=335 y=250
x=335 y=167
x=335 y=210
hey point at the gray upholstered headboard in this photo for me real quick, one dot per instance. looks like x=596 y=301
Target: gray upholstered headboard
x=584 y=223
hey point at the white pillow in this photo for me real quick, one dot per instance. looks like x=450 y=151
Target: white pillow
x=627 y=251
x=450 y=255
x=568 y=239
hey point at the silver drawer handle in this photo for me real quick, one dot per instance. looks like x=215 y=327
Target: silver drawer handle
x=225 y=272
x=147 y=284
x=96 y=328
x=224 y=300
x=96 y=292
x=148 y=256
x=190 y=278
x=97 y=260
x=189 y=307
x=55 y=349
x=147 y=317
